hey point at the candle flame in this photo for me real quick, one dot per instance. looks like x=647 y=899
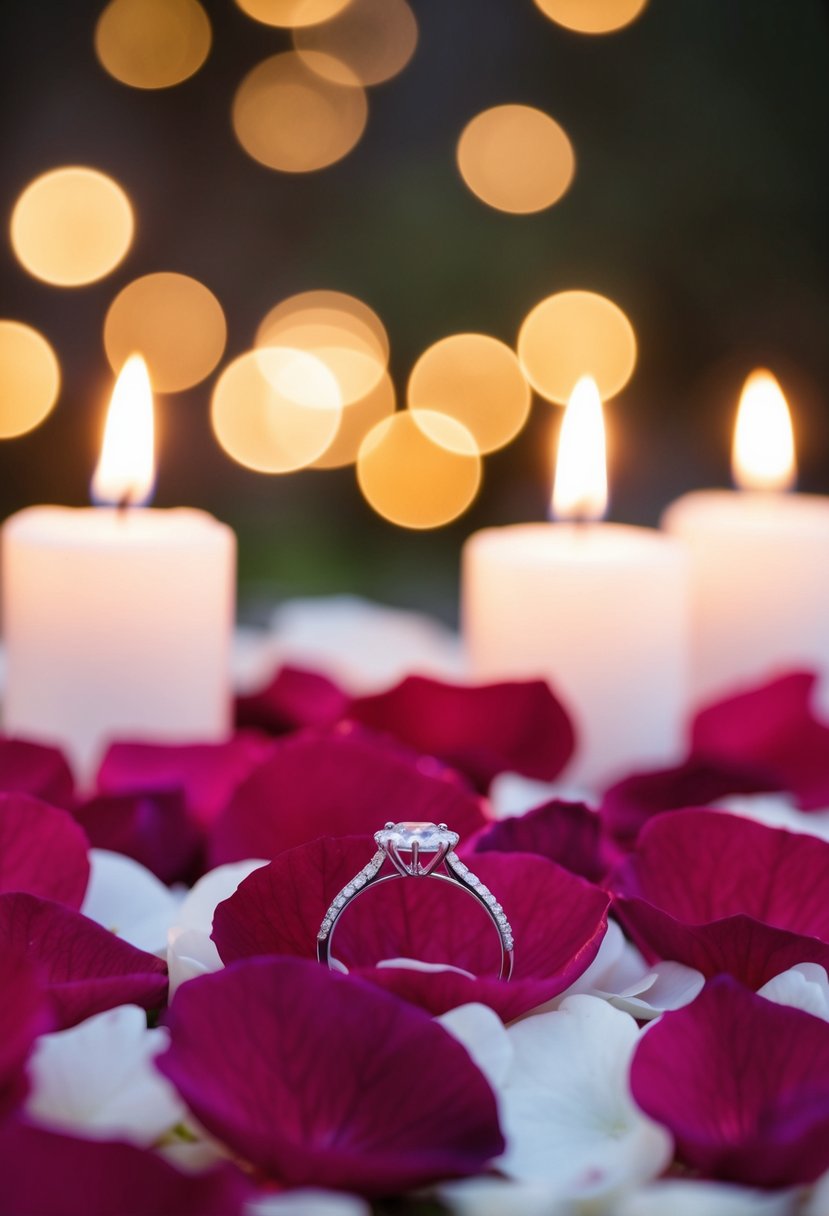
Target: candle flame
x=763 y=455
x=580 y=489
x=125 y=473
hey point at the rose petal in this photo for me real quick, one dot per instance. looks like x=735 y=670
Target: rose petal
x=45 y=1172
x=558 y=921
x=128 y=900
x=323 y=1105
x=293 y=698
x=490 y=1196
x=84 y=968
x=34 y=768
x=484 y=1036
x=207 y=773
x=42 y=850
x=690 y=1197
x=24 y=1015
x=308 y=1202
x=742 y=1083
x=340 y=784
x=154 y=828
x=566 y=832
x=805 y=987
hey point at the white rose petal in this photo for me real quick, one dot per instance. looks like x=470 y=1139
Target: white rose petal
x=681 y=1197
x=484 y=1036
x=129 y=900
x=98 y=1079
x=511 y=794
x=776 y=811
x=308 y=1203
x=497 y=1197
x=805 y=986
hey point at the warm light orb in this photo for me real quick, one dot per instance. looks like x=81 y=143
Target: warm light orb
x=574 y=334
x=71 y=226
x=289 y=114
x=763 y=455
x=580 y=487
x=125 y=473
x=375 y=39
x=477 y=380
x=152 y=44
x=592 y=16
x=176 y=323
x=355 y=423
x=516 y=158
x=276 y=410
x=29 y=379
x=291 y=14
x=419 y=473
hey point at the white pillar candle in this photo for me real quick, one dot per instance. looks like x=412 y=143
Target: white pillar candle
x=599 y=610
x=760 y=558
x=117 y=620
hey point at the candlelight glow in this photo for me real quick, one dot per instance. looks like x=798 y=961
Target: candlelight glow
x=592 y=16
x=356 y=422
x=516 y=159
x=580 y=489
x=125 y=473
x=763 y=455
x=291 y=14
x=29 y=378
x=152 y=44
x=374 y=38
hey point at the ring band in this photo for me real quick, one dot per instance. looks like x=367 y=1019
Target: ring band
x=428 y=847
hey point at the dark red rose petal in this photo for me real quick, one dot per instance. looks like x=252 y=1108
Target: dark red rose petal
x=42 y=850
x=566 y=832
x=84 y=968
x=34 y=768
x=24 y=1014
x=482 y=730
x=154 y=828
x=558 y=921
x=743 y=1085
x=47 y=1174
x=355 y=1089
x=344 y=783
x=294 y=698
x=207 y=773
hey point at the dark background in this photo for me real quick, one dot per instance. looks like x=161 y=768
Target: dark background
x=700 y=205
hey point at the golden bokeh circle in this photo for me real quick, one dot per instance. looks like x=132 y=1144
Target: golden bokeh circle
x=516 y=158
x=356 y=421
x=275 y=410
x=174 y=321
x=574 y=334
x=291 y=14
x=477 y=380
x=71 y=226
x=288 y=116
x=29 y=378
x=592 y=16
x=419 y=473
x=375 y=39
x=152 y=44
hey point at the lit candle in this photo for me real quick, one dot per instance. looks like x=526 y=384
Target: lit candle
x=760 y=574
x=597 y=609
x=118 y=618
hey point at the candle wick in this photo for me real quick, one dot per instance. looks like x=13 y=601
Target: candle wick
x=123 y=505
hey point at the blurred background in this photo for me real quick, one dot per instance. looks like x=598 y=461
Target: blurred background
x=698 y=205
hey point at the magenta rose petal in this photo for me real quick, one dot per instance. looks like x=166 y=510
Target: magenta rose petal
x=743 y=1085
x=566 y=832
x=207 y=773
x=84 y=968
x=24 y=1014
x=42 y=850
x=152 y=827
x=340 y=784
x=481 y=730
x=373 y=1097
x=558 y=920
x=36 y=769
x=45 y=1172
x=294 y=698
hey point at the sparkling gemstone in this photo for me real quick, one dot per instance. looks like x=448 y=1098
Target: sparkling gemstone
x=428 y=836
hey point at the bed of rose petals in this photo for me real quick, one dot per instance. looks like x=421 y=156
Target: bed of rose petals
x=168 y=1043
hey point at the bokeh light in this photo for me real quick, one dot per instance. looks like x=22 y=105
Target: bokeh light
x=592 y=16
x=291 y=14
x=356 y=421
x=152 y=44
x=175 y=322
x=419 y=473
x=516 y=158
x=289 y=116
x=276 y=410
x=574 y=334
x=71 y=226
x=29 y=378
x=375 y=39
x=477 y=380
x=341 y=330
